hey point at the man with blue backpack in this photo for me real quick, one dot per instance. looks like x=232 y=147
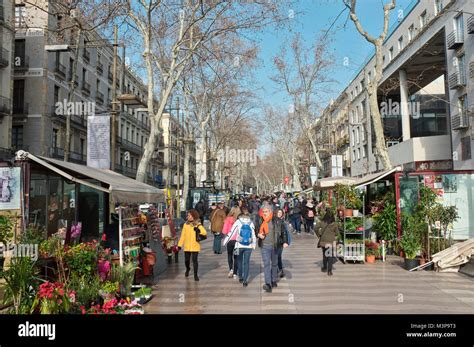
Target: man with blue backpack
x=245 y=243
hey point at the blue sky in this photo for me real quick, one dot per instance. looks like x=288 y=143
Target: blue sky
x=348 y=44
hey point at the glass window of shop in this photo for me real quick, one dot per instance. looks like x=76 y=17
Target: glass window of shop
x=91 y=212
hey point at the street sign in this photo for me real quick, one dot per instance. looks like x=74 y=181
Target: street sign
x=56 y=48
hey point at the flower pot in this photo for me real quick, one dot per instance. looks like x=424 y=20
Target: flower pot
x=348 y=212
x=370 y=259
x=355 y=213
x=411 y=263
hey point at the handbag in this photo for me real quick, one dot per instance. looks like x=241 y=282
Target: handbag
x=322 y=234
x=199 y=236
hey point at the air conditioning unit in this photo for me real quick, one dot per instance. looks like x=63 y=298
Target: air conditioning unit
x=460 y=121
x=392 y=143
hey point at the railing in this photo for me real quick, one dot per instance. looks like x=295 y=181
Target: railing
x=75 y=119
x=100 y=68
x=455 y=39
x=86 y=87
x=457 y=80
x=127 y=171
x=470 y=25
x=131 y=146
x=4 y=57
x=21 y=109
x=460 y=121
x=22 y=63
x=56 y=152
x=86 y=55
x=100 y=97
x=4 y=106
x=60 y=69
x=79 y=158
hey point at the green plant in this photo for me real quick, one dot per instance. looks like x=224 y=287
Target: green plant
x=372 y=248
x=82 y=259
x=354 y=224
x=110 y=287
x=20 y=281
x=33 y=235
x=87 y=289
x=385 y=222
x=124 y=275
x=7 y=228
x=411 y=244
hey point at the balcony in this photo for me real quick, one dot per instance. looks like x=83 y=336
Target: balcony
x=60 y=70
x=100 y=98
x=470 y=25
x=460 y=121
x=78 y=158
x=127 y=145
x=86 y=88
x=455 y=40
x=420 y=149
x=100 y=68
x=86 y=56
x=56 y=152
x=22 y=63
x=132 y=100
x=457 y=80
x=4 y=58
x=77 y=120
x=21 y=109
x=5 y=108
x=127 y=171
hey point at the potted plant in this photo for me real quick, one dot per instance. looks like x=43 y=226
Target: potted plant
x=109 y=290
x=385 y=223
x=411 y=245
x=371 y=251
x=124 y=275
x=7 y=226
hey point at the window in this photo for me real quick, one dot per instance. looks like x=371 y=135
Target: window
x=363 y=152
x=357 y=136
x=459 y=27
x=460 y=64
x=362 y=134
x=20 y=58
x=423 y=19
x=82 y=147
x=56 y=95
x=352 y=117
x=438 y=6
x=20 y=15
x=17 y=136
x=462 y=105
x=133 y=136
x=400 y=43
x=358 y=153
x=369 y=77
x=383 y=60
x=411 y=32
x=55 y=138
x=362 y=85
x=84 y=75
x=127 y=134
x=466 y=148
x=390 y=54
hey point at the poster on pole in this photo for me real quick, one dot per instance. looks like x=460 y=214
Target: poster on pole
x=313 y=171
x=10 y=193
x=336 y=161
x=98 y=141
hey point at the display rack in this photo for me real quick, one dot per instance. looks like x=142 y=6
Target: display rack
x=354 y=251
x=131 y=235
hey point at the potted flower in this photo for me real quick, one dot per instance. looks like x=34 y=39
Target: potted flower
x=53 y=298
x=371 y=251
x=411 y=246
x=109 y=290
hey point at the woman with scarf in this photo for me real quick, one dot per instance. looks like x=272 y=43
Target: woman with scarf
x=272 y=236
x=193 y=232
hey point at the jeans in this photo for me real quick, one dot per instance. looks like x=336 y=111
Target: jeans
x=280 y=262
x=296 y=222
x=244 y=263
x=309 y=225
x=328 y=261
x=187 y=258
x=217 y=243
x=270 y=263
x=231 y=258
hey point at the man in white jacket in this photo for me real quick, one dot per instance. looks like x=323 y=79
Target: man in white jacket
x=244 y=231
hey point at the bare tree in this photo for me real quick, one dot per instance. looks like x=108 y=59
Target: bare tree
x=373 y=84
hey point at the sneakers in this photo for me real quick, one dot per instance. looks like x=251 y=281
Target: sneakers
x=235 y=277
x=329 y=273
x=231 y=273
x=196 y=278
x=187 y=273
x=267 y=288
x=241 y=280
x=282 y=274
x=245 y=284
x=274 y=285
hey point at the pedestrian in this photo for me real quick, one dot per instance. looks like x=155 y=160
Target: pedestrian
x=309 y=217
x=281 y=215
x=246 y=241
x=295 y=217
x=217 y=218
x=327 y=231
x=201 y=209
x=193 y=232
x=271 y=237
x=229 y=241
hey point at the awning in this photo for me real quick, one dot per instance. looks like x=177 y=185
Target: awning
x=330 y=182
x=122 y=189
x=372 y=178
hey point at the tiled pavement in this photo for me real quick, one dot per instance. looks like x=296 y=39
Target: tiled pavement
x=354 y=288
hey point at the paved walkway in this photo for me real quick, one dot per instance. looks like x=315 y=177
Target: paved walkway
x=354 y=288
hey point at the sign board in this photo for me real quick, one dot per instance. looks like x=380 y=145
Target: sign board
x=10 y=185
x=336 y=164
x=313 y=171
x=216 y=198
x=98 y=142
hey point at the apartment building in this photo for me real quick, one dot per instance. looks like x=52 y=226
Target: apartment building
x=42 y=81
x=6 y=67
x=426 y=100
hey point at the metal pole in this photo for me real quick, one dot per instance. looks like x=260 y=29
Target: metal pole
x=114 y=102
x=178 y=205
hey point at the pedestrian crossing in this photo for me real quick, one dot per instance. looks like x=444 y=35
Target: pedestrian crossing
x=353 y=289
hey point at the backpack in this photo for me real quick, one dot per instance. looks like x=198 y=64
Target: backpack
x=245 y=235
x=310 y=213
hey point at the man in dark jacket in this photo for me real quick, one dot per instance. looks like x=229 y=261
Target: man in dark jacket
x=201 y=208
x=272 y=236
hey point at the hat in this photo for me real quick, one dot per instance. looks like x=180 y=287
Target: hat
x=194 y=213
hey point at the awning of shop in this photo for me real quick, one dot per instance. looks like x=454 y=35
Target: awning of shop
x=330 y=182
x=121 y=189
x=372 y=178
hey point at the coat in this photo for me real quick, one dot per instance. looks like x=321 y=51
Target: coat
x=280 y=231
x=188 y=238
x=328 y=235
x=217 y=220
